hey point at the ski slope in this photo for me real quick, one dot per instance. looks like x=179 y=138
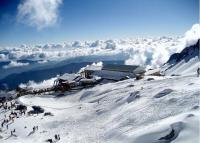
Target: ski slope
x=128 y=111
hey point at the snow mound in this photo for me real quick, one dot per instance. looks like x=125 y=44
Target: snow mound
x=181 y=131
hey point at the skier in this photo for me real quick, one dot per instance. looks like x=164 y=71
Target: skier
x=50 y=140
x=56 y=137
x=34 y=129
x=198 y=72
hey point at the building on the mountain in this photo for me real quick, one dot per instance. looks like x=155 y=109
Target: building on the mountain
x=94 y=74
x=153 y=72
x=67 y=81
x=113 y=71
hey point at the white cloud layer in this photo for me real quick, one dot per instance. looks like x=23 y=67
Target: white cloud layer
x=41 y=85
x=192 y=35
x=150 y=52
x=39 y=13
x=15 y=64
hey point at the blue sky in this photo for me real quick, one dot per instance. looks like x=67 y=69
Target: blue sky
x=69 y=20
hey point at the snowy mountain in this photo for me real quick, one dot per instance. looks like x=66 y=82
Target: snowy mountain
x=154 y=109
x=163 y=110
x=185 y=62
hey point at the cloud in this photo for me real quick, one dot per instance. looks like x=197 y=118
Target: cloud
x=99 y=64
x=39 y=13
x=15 y=64
x=150 y=52
x=41 y=85
x=192 y=35
x=3 y=57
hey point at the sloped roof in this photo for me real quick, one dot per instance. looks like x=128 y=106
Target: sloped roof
x=113 y=75
x=93 y=68
x=68 y=77
x=121 y=68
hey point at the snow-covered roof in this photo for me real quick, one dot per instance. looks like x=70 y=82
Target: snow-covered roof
x=68 y=77
x=121 y=68
x=113 y=75
x=115 y=67
x=87 y=80
x=93 y=68
x=153 y=71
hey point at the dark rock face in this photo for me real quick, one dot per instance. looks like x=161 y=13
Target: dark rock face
x=133 y=96
x=186 y=54
x=163 y=93
x=48 y=114
x=36 y=110
x=169 y=136
x=176 y=128
x=21 y=107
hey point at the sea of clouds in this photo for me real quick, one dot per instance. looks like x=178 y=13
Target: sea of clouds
x=145 y=51
x=149 y=52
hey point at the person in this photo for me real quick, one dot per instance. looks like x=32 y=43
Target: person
x=50 y=140
x=34 y=129
x=198 y=72
x=56 y=137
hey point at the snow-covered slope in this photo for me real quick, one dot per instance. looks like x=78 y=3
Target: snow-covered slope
x=159 y=111
x=185 y=62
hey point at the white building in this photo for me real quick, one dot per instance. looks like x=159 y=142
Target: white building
x=113 y=71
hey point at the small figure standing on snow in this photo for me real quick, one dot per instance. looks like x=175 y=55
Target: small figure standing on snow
x=34 y=128
x=50 y=140
x=56 y=137
x=198 y=72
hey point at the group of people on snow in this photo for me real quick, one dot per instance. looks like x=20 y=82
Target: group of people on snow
x=57 y=138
